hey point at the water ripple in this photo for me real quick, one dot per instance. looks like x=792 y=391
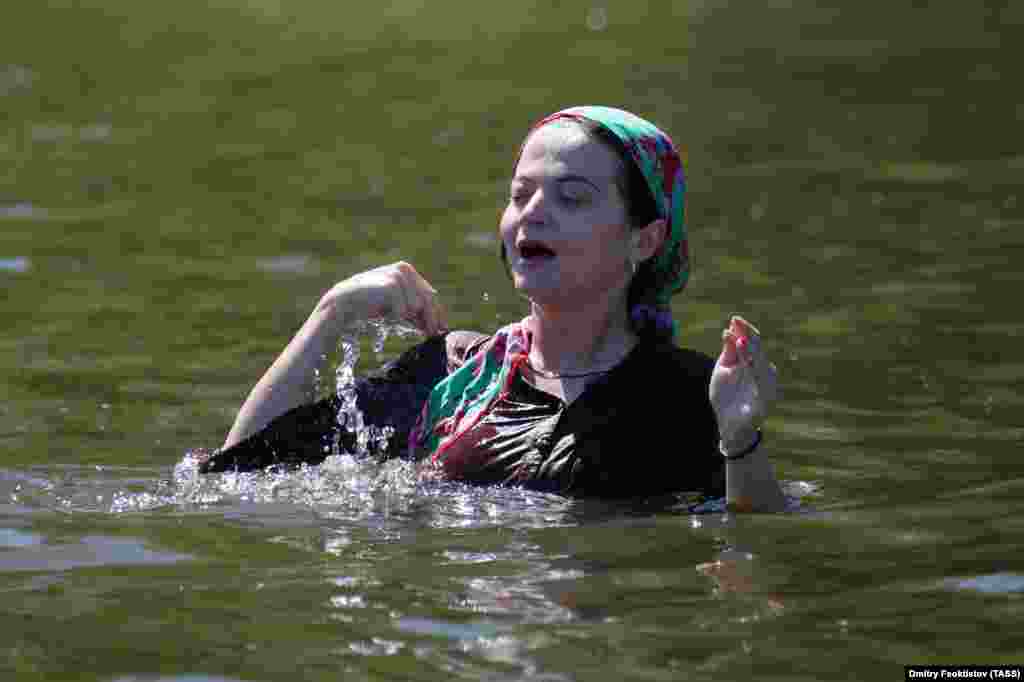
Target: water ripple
x=22 y=210
x=996 y=583
x=17 y=264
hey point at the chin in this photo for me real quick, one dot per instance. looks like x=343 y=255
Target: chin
x=538 y=292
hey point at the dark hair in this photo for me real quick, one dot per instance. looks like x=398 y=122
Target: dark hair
x=647 y=319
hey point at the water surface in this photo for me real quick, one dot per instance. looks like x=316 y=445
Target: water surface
x=180 y=183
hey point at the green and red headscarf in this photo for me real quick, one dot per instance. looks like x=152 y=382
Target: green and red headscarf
x=460 y=401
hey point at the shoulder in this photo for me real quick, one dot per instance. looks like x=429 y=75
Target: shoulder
x=461 y=345
x=665 y=360
x=661 y=381
x=656 y=379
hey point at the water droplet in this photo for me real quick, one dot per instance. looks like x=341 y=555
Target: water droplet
x=597 y=18
x=368 y=437
x=482 y=240
x=487 y=297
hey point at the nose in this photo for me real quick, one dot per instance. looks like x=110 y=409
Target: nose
x=535 y=212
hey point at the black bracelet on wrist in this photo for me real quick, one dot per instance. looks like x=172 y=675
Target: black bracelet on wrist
x=741 y=455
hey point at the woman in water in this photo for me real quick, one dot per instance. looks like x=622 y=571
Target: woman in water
x=588 y=395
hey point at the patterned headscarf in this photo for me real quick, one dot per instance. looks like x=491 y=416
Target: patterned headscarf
x=460 y=401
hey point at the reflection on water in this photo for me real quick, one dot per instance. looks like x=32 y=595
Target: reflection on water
x=176 y=678
x=15 y=79
x=21 y=211
x=12 y=537
x=90 y=551
x=299 y=263
x=18 y=264
x=997 y=583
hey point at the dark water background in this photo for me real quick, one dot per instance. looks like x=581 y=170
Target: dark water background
x=180 y=181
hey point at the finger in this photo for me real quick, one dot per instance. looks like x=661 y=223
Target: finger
x=730 y=355
x=423 y=299
x=431 y=316
x=440 y=317
x=416 y=280
x=748 y=341
x=742 y=326
x=752 y=350
x=406 y=299
x=437 y=318
x=432 y=313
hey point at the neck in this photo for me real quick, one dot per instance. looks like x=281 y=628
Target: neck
x=590 y=337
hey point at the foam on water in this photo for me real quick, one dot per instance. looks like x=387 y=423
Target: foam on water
x=344 y=479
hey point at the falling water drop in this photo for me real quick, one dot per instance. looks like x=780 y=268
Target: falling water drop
x=369 y=438
x=597 y=18
x=380 y=336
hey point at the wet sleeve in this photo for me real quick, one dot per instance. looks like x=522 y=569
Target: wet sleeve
x=388 y=397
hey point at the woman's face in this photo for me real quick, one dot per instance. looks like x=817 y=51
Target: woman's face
x=564 y=229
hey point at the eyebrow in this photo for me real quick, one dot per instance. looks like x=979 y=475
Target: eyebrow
x=571 y=177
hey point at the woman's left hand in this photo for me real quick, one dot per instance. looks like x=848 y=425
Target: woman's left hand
x=743 y=385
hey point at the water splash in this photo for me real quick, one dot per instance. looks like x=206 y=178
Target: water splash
x=369 y=439
x=349 y=416
x=347 y=482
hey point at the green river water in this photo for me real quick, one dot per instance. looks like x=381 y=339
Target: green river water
x=179 y=182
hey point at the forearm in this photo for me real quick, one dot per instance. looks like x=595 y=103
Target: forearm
x=750 y=483
x=288 y=382
x=395 y=291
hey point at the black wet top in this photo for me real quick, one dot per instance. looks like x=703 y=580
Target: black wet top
x=645 y=428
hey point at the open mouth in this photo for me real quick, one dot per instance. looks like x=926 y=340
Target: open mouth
x=531 y=250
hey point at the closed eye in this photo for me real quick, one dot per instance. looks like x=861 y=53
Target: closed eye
x=575 y=194
x=519 y=195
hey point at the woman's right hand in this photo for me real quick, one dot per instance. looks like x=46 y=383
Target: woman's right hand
x=395 y=291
